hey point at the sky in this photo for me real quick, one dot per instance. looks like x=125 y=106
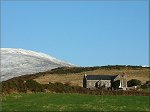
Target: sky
x=85 y=33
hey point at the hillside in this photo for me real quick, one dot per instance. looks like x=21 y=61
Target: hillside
x=17 y=62
x=74 y=75
x=69 y=79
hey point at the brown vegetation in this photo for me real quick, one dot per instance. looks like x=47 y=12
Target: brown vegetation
x=141 y=74
x=70 y=80
x=21 y=86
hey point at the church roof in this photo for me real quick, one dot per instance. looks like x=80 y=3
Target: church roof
x=101 y=77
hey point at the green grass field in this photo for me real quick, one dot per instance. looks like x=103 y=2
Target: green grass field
x=73 y=102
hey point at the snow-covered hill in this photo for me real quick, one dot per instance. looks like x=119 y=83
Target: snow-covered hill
x=17 y=62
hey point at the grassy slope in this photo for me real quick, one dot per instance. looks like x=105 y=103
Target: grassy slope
x=73 y=102
x=141 y=74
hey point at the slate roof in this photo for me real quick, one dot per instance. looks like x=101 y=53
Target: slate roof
x=101 y=77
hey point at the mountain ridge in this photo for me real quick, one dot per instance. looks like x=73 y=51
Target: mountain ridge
x=16 y=62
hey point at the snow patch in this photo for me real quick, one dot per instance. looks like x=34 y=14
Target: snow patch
x=17 y=62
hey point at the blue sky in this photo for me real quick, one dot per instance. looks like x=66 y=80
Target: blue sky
x=85 y=33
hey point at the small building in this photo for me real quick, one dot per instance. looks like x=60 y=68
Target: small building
x=106 y=81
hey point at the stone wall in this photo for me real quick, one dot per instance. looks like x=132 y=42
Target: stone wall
x=91 y=83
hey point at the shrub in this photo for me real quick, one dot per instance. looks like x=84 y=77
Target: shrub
x=147 y=82
x=146 y=85
x=133 y=82
x=66 y=70
x=116 y=84
x=34 y=86
x=98 y=84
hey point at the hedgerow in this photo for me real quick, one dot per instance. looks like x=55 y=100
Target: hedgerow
x=33 y=86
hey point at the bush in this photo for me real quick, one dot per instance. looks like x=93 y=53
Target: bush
x=98 y=84
x=66 y=70
x=146 y=85
x=34 y=86
x=148 y=82
x=133 y=82
x=115 y=84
